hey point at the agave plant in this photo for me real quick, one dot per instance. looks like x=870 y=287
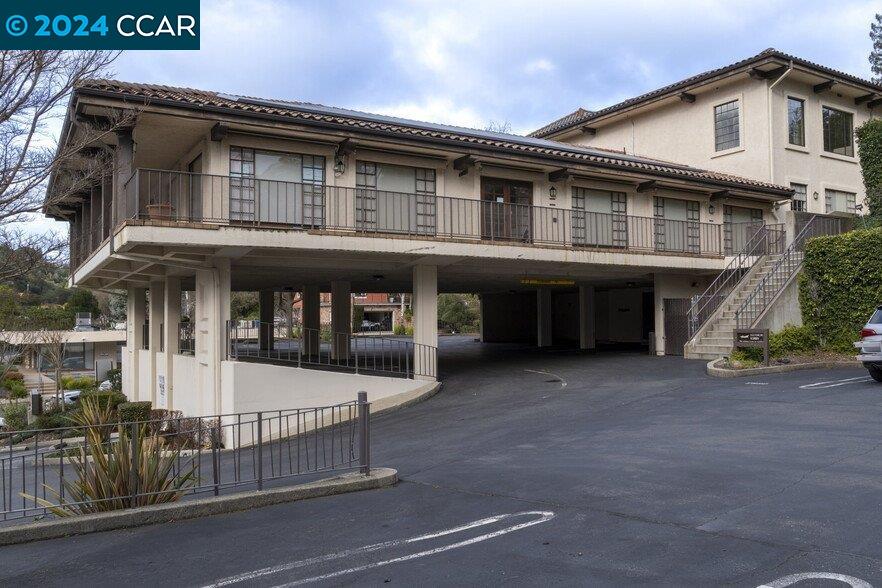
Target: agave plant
x=107 y=479
x=96 y=418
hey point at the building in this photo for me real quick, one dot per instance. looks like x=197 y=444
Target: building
x=772 y=116
x=214 y=193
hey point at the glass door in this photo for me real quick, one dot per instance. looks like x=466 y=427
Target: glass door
x=506 y=210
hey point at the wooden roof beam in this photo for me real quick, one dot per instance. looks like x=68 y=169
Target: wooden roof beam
x=646 y=186
x=559 y=175
x=823 y=86
x=687 y=97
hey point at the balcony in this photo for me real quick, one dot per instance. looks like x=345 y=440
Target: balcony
x=167 y=197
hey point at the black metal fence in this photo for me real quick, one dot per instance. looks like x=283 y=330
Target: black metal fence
x=40 y=469
x=174 y=196
x=322 y=348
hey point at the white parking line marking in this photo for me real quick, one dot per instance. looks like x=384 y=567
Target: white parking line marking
x=835 y=383
x=756 y=383
x=543 y=516
x=794 y=578
x=563 y=383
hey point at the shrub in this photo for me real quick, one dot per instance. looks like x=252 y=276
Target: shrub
x=793 y=339
x=77 y=382
x=54 y=419
x=869 y=136
x=16 y=389
x=840 y=286
x=399 y=329
x=115 y=377
x=104 y=476
x=14 y=375
x=134 y=412
x=96 y=418
x=16 y=416
x=112 y=399
x=408 y=330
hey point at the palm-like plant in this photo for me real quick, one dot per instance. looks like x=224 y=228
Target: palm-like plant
x=116 y=475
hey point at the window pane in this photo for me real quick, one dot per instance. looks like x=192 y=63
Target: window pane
x=726 y=126
x=283 y=167
x=839 y=201
x=796 y=121
x=799 y=197
x=838 y=131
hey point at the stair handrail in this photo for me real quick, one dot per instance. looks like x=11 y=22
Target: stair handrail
x=766 y=238
x=790 y=262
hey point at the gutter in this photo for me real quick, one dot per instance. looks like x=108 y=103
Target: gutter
x=771 y=121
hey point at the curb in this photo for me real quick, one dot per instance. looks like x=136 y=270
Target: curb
x=719 y=372
x=191 y=509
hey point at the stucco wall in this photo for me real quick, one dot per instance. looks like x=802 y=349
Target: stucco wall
x=785 y=311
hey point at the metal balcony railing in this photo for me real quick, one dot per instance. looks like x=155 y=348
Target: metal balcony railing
x=764 y=240
x=182 y=197
x=786 y=267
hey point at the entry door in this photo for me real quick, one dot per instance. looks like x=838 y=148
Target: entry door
x=506 y=210
x=600 y=218
x=676 y=325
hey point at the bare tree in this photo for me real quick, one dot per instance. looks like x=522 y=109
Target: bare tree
x=34 y=90
x=503 y=127
x=52 y=344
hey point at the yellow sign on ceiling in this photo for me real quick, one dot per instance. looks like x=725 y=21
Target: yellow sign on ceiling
x=547 y=282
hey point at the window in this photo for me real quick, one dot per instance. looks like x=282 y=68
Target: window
x=395 y=198
x=839 y=201
x=838 y=131
x=600 y=218
x=799 y=197
x=796 y=121
x=277 y=187
x=726 y=126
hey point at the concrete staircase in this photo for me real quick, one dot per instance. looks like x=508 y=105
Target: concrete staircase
x=715 y=338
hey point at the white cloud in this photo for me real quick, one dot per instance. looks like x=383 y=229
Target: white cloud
x=436 y=110
x=541 y=65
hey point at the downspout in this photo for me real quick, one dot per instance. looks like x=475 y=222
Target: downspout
x=771 y=122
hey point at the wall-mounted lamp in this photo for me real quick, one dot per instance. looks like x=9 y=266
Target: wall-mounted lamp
x=552 y=192
x=858 y=207
x=815 y=195
x=339 y=165
x=711 y=208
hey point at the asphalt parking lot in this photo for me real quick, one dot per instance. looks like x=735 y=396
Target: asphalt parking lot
x=557 y=468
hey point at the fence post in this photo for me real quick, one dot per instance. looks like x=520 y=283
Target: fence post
x=364 y=431
x=260 y=451
x=215 y=457
x=134 y=443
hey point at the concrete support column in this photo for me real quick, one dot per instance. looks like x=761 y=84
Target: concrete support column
x=587 y=333
x=267 y=302
x=659 y=290
x=125 y=205
x=212 y=315
x=171 y=335
x=341 y=319
x=545 y=316
x=311 y=321
x=136 y=305
x=157 y=318
x=481 y=317
x=425 y=322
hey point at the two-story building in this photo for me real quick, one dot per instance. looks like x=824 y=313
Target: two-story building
x=214 y=193
x=772 y=116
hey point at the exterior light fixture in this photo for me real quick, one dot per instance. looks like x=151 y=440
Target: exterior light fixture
x=339 y=165
x=815 y=195
x=552 y=192
x=711 y=208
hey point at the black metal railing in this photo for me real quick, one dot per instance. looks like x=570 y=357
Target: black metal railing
x=222 y=452
x=764 y=240
x=786 y=266
x=322 y=348
x=171 y=196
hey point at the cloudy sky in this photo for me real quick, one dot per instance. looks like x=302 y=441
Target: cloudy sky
x=469 y=63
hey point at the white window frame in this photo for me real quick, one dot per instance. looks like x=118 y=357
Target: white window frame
x=854 y=116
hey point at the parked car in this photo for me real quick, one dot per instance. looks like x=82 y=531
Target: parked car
x=870 y=345
x=71 y=396
x=367 y=325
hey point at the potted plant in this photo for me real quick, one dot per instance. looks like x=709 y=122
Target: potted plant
x=160 y=211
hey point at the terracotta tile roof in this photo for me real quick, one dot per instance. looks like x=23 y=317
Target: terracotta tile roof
x=305 y=112
x=582 y=116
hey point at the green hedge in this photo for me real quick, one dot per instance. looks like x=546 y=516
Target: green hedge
x=869 y=137
x=841 y=285
x=790 y=340
x=77 y=382
x=134 y=412
x=103 y=398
